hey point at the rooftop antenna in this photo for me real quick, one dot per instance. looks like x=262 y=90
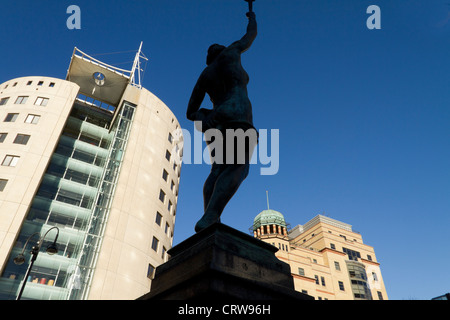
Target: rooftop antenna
x=137 y=67
x=267 y=195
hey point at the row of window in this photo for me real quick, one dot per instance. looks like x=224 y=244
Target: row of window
x=158 y=221
x=30 y=82
x=12 y=160
x=20 y=138
x=356 y=295
x=31 y=118
x=165 y=176
x=352 y=274
x=162 y=198
x=340 y=284
x=155 y=245
x=337 y=266
x=352 y=254
x=40 y=101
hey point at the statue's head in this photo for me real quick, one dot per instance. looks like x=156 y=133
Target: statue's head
x=213 y=52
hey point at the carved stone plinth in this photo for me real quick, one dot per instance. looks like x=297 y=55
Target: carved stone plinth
x=223 y=263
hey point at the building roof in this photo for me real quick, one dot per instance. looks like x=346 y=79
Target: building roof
x=97 y=79
x=269 y=217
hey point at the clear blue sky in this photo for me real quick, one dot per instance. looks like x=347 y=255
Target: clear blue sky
x=364 y=115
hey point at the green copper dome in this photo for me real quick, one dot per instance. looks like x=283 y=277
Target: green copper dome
x=269 y=217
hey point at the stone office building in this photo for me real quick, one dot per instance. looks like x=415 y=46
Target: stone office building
x=93 y=156
x=328 y=260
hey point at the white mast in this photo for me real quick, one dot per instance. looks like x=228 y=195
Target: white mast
x=137 y=67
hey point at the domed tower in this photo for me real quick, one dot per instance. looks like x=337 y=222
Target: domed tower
x=269 y=223
x=271 y=227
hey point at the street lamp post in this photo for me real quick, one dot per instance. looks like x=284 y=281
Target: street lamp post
x=20 y=258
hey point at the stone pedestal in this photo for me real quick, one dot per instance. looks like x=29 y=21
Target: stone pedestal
x=223 y=263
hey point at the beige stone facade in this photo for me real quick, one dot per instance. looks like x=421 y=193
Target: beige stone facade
x=127 y=252
x=22 y=112
x=94 y=157
x=328 y=260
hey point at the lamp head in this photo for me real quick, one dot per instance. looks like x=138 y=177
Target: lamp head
x=19 y=259
x=52 y=249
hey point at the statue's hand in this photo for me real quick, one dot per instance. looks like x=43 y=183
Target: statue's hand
x=203 y=117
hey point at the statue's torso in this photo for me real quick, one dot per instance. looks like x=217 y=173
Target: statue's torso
x=226 y=84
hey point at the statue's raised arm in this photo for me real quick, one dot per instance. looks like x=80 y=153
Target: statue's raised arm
x=252 y=31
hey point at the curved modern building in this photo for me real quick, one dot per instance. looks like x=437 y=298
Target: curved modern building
x=86 y=164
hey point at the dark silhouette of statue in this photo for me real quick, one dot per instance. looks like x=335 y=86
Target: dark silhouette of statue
x=225 y=81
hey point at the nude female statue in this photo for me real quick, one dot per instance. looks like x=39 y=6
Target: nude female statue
x=225 y=81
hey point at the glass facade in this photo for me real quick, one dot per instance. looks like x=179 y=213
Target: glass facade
x=75 y=195
x=358 y=279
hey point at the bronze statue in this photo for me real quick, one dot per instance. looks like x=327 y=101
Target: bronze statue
x=225 y=81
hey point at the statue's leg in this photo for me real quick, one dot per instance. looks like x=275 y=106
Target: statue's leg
x=222 y=183
x=226 y=185
x=208 y=187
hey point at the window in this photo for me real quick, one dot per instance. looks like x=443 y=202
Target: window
x=317 y=278
x=165 y=175
x=380 y=295
x=15 y=84
x=21 y=100
x=40 y=101
x=169 y=206
x=21 y=139
x=51 y=85
x=322 y=279
x=40 y=83
x=301 y=271
x=166 y=230
x=374 y=275
x=3 y=101
x=168 y=155
x=332 y=246
x=158 y=218
x=150 y=271
x=3 y=137
x=32 y=118
x=163 y=253
x=352 y=255
x=170 y=138
x=337 y=266
x=10 y=161
x=3 y=183
x=341 y=286
x=172 y=185
x=369 y=257
x=11 y=117
x=162 y=196
x=29 y=83
x=155 y=243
